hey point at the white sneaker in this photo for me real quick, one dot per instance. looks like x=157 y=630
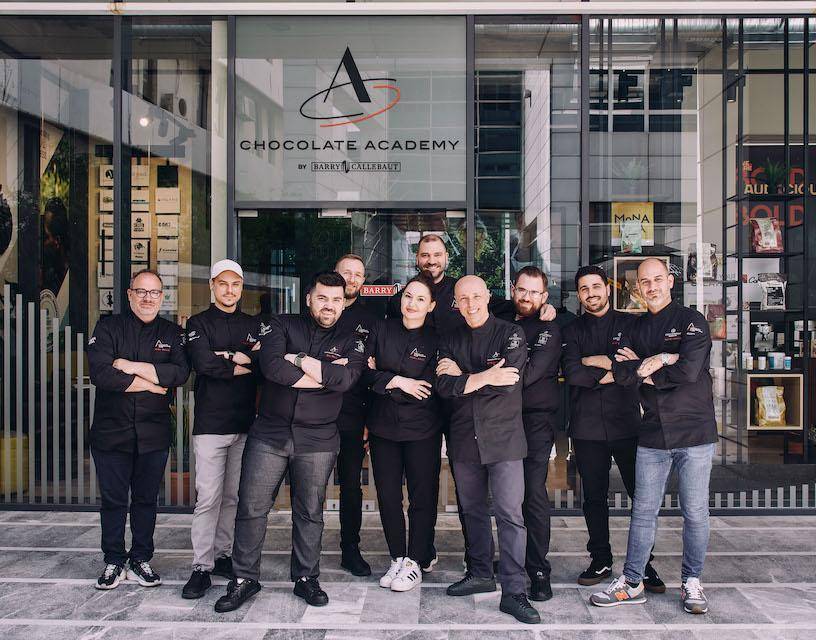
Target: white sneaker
x=393 y=570
x=409 y=576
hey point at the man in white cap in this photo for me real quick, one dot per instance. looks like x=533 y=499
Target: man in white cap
x=222 y=344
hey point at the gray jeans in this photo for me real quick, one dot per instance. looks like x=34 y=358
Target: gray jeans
x=218 y=472
x=264 y=468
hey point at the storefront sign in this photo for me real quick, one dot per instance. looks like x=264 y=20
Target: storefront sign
x=379 y=290
x=329 y=109
x=642 y=212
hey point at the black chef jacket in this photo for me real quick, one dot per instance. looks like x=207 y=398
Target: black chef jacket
x=411 y=353
x=134 y=421
x=541 y=395
x=225 y=403
x=605 y=412
x=307 y=417
x=362 y=322
x=486 y=425
x=678 y=410
x=445 y=317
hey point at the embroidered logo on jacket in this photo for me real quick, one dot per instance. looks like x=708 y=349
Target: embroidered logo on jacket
x=249 y=340
x=616 y=339
x=692 y=329
x=494 y=358
x=92 y=340
x=333 y=353
x=193 y=335
x=543 y=338
x=514 y=341
x=359 y=346
x=161 y=346
x=674 y=334
x=265 y=329
x=416 y=354
x=361 y=329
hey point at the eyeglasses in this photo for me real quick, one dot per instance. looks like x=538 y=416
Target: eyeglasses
x=143 y=293
x=526 y=292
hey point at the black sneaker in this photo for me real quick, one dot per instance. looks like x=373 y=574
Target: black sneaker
x=237 y=594
x=223 y=567
x=197 y=585
x=652 y=581
x=470 y=584
x=595 y=573
x=352 y=561
x=143 y=573
x=517 y=605
x=111 y=577
x=540 y=588
x=309 y=589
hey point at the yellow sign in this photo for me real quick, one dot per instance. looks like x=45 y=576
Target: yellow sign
x=623 y=213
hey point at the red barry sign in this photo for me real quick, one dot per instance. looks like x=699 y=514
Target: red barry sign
x=379 y=289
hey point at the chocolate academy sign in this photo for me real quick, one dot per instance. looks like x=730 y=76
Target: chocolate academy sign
x=370 y=131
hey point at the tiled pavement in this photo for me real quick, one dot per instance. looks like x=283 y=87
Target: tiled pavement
x=760 y=577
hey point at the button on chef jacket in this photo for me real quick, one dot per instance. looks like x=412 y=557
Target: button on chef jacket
x=225 y=403
x=140 y=421
x=411 y=353
x=678 y=411
x=485 y=426
x=362 y=322
x=605 y=412
x=307 y=417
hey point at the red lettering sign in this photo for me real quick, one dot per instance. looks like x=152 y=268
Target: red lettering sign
x=379 y=290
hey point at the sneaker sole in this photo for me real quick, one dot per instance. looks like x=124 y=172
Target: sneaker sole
x=590 y=582
x=403 y=588
x=105 y=587
x=471 y=592
x=618 y=603
x=510 y=613
x=194 y=596
x=386 y=584
x=695 y=610
x=240 y=604
x=132 y=576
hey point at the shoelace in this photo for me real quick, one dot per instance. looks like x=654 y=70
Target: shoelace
x=146 y=568
x=694 y=589
x=521 y=599
x=110 y=570
x=620 y=583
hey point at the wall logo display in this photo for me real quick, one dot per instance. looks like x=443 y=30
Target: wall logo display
x=318 y=107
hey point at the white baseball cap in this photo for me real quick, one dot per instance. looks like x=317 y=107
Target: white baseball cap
x=226 y=265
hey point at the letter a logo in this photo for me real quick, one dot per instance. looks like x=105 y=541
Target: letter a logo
x=354 y=76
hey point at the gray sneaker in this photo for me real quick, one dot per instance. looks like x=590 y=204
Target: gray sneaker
x=618 y=593
x=694 y=600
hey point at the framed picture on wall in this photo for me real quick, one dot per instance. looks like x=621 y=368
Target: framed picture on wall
x=167 y=226
x=140 y=175
x=139 y=250
x=625 y=291
x=140 y=199
x=168 y=250
x=106 y=175
x=139 y=225
x=106 y=199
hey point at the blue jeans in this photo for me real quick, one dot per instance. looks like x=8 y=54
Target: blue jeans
x=652 y=470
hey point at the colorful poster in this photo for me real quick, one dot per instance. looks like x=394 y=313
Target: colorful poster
x=625 y=212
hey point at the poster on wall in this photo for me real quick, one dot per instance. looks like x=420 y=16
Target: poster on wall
x=140 y=200
x=167 y=250
x=140 y=175
x=106 y=175
x=167 y=200
x=169 y=301
x=632 y=225
x=139 y=250
x=106 y=199
x=626 y=292
x=167 y=226
x=139 y=225
x=106 y=300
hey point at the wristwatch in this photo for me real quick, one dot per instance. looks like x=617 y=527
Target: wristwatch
x=299 y=359
x=664 y=358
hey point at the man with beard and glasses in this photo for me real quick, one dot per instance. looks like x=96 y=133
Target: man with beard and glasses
x=604 y=417
x=135 y=358
x=361 y=321
x=222 y=346
x=541 y=398
x=307 y=366
x=666 y=356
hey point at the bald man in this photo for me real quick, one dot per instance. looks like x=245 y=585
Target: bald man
x=666 y=354
x=480 y=371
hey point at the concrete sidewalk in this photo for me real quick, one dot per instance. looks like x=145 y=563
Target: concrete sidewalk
x=760 y=578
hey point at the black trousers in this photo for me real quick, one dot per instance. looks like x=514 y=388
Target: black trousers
x=419 y=461
x=594 y=461
x=349 y=467
x=537 y=509
x=121 y=473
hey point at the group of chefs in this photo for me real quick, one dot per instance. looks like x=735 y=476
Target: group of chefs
x=297 y=395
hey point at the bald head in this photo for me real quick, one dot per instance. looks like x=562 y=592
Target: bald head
x=655 y=283
x=472 y=297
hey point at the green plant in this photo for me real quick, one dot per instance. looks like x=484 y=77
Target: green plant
x=774 y=175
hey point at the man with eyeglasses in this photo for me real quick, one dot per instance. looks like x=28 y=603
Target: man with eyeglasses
x=222 y=343
x=540 y=403
x=135 y=359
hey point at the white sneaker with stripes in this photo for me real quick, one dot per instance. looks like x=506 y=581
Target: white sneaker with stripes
x=409 y=576
x=393 y=571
